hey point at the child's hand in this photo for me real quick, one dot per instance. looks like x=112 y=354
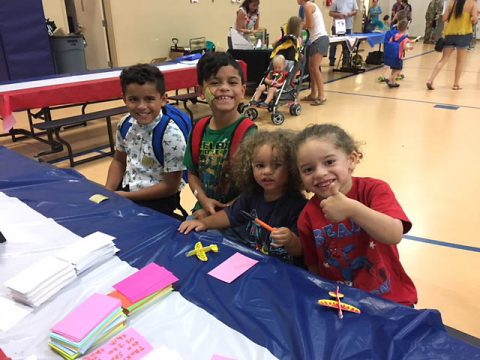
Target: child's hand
x=211 y=206
x=200 y=214
x=281 y=237
x=336 y=207
x=189 y=225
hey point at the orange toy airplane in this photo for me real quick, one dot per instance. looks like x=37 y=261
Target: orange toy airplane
x=338 y=304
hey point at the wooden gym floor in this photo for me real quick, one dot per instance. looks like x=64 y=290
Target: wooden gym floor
x=423 y=143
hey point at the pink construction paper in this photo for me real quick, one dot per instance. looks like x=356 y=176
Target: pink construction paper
x=128 y=345
x=233 y=267
x=86 y=317
x=145 y=282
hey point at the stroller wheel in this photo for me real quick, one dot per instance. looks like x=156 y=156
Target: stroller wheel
x=295 y=109
x=241 y=107
x=278 y=118
x=252 y=113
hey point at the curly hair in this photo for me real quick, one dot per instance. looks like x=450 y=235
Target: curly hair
x=142 y=74
x=339 y=137
x=279 y=140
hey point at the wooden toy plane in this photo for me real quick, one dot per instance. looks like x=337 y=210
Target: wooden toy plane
x=338 y=304
x=201 y=252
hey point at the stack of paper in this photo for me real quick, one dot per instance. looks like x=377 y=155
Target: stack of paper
x=147 y=285
x=91 y=323
x=37 y=283
x=92 y=250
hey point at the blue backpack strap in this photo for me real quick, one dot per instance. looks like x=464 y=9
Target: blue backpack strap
x=184 y=123
x=125 y=126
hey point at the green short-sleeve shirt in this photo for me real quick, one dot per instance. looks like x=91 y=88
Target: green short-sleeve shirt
x=214 y=168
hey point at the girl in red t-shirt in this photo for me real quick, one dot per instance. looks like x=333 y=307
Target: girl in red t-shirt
x=350 y=228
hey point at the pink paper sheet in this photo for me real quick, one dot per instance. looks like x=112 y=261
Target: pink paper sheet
x=233 y=267
x=145 y=282
x=128 y=345
x=87 y=316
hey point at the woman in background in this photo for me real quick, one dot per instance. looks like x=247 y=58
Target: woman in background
x=248 y=18
x=460 y=19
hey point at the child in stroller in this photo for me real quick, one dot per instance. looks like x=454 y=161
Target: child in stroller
x=291 y=49
x=272 y=83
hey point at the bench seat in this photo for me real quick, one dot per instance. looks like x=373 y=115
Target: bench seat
x=58 y=124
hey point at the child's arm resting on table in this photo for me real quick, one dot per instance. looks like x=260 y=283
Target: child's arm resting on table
x=116 y=170
x=288 y=239
x=219 y=220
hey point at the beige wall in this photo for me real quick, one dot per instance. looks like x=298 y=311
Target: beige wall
x=55 y=10
x=141 y=30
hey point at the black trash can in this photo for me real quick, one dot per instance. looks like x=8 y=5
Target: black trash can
x=68 y=54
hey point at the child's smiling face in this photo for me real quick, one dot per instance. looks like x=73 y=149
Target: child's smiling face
x=144 y=102
x=224 y=91
x=324 y=167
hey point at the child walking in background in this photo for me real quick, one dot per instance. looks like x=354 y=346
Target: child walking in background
x=215 y=139
x=395 y=47
x=392 y=30
x=265 y=172
x=135 y=171
x=273 y=81
x=350 y=228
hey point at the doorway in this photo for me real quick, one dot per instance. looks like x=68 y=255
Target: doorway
x=87 y=17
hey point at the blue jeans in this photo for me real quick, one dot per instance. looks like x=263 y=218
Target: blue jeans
x=333 y=50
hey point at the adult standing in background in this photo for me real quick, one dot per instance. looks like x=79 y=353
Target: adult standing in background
x=247 y=21
x=432 y=20
x=460 y=18
x=395 y=9
x=342 y=9
x=374 y=15
x=408 y=8
x=317 y=49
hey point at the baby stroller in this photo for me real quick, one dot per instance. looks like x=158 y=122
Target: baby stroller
x=290 y=47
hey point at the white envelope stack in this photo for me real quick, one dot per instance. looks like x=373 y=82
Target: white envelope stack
x=37 y=283
x=92 y=250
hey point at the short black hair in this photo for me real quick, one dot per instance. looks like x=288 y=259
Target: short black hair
x=142 y=74
x=211 y=62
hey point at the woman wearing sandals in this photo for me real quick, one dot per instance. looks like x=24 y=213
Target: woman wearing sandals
x=317 y=49
x=460 y=18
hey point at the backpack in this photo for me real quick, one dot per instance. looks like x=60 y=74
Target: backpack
x=238 y=135
x=170 y=112
x=392 y=50
x=375 y=58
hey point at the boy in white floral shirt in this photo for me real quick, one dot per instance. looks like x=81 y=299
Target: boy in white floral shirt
x=135 y=172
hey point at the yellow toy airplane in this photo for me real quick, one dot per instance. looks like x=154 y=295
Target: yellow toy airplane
x=201 y=252
x=337 y=304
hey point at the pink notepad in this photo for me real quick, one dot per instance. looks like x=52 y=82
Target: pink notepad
x=128 y=345
x=233 y=267
x=86 y=317
x=145 y=282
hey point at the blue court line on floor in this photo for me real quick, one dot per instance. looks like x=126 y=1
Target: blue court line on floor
x=400 y=99
x=447 y=107
x=442 y=243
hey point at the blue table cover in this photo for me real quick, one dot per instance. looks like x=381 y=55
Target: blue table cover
x=273 y=304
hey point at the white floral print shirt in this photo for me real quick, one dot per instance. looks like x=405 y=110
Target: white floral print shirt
x=143 y=169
